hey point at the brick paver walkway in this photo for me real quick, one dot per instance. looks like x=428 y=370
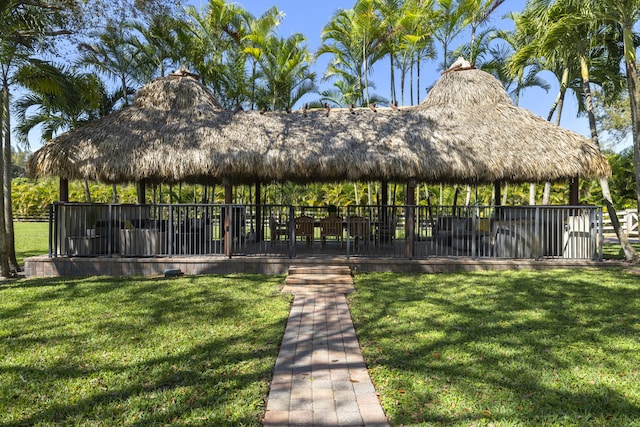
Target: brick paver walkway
x=320 y=376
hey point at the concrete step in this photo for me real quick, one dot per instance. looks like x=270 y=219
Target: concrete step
x=320 y=276
x=324 y=269
x=319 y=279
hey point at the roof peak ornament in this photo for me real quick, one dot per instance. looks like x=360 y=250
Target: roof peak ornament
x=459 y=64
x=184 y=72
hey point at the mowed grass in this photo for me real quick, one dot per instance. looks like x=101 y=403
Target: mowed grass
x=31 y=239
x=139 y=351
x=614 y=250
x=554 y=348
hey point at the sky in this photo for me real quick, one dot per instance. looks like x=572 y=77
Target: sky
x=309 y=17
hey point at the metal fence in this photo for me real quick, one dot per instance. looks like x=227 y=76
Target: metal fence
x=572 y=232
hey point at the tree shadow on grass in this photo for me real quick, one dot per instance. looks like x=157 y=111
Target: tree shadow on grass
x=518 y=347
x=141 y=351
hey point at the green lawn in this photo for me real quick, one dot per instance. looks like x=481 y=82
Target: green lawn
x=111 y=351
x=503 y=348
x=494 y=348
x=32 y=238
x=614 y=250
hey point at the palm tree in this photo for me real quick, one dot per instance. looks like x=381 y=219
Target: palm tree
x=448 y=27
x=212 y=43
x=415 y=35
x=561 y=62
x=571 y=25
x=285 y=72
x=117 y=60
x=516 y=79
x=113 y=57
x=524 y=77
x=155 y=44
x=480 y=51
x=391 y=13
x=476 y=13
x=78 y=99
x=254 y=43
x=24 y=27
x=356 y=37
x=75 y=102
x=345 y=94
x=624 y=14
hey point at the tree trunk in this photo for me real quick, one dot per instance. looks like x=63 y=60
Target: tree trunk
x=532 y=194
x=4 y=124
x=634 y=100
x=392 y=83
x=9 y=240
x=411 y=83
x=505 y=194
x=365 y=71
x=87 y=192
x=629 y=251
x=402 y=82
x=418 y=97
x=546 y=195
x=355 y=192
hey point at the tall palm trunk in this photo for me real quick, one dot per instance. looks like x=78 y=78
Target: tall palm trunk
x=629 y=251
x=365 y=73
x=9 y=243
x=8 y=205
x=392 y=80
x=403 y=76
x=411 y=82
x=87 y=192
x=418 y=98
x=4 y=115
x=634 y=99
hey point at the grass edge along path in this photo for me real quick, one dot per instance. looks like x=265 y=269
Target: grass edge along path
x=503 y=348
x=139 y=351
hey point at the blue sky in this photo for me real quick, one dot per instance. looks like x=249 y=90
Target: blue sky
x=308 y=18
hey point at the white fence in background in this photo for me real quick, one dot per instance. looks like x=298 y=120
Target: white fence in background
x=628 y=221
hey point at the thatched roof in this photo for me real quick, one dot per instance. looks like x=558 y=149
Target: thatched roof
x=466 y=131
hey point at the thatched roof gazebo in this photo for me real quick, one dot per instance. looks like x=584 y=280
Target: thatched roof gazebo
x=467 y=131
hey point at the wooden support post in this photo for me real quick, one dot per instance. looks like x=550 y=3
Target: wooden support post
x=385 y=193
x=384 y=222
x=228 y=193
x=64 y=190
x=497 y=194
x=228 y=232
x=259 y=236
x=141 y=190
x=574 y=192
x=410 y=220
x=497 y=199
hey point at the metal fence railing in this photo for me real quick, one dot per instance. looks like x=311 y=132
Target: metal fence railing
x=535 y=232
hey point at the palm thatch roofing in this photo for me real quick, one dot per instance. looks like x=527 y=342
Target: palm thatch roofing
x=467 y=131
